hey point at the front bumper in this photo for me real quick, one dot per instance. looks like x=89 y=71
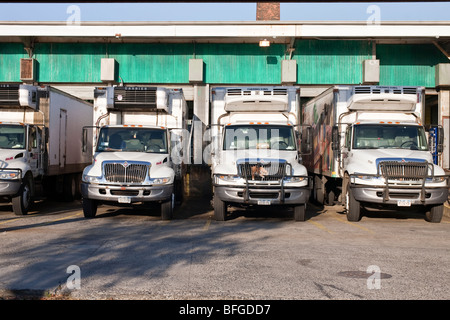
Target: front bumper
x=266 y=196
x=126 y=194
x=379 y=195
x=9 y=187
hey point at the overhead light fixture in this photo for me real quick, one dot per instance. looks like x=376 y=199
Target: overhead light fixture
x=264 y=43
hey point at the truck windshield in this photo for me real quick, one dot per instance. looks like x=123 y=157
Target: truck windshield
x=389 y=136
x=12 y=136
x=132 y=139
x=240 y=137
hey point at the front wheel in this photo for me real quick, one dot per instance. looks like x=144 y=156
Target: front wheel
x=300 y=212
x=353 y=207
x=167 y=208
x=89 y=208
x=434 y=214
x=220 y=209
x=22 y=202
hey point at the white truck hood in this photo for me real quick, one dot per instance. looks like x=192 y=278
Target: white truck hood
x=159 y=162
x=7 y=158
x=366 y=160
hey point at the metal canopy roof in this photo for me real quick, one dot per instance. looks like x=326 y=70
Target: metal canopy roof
x=234 y=32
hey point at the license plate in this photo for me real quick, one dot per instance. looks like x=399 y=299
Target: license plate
x=124 y=200
x=264 y=202
x=404 y=203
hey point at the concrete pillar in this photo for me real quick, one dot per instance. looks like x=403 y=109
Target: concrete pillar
x=199 y=177
x=200 y=120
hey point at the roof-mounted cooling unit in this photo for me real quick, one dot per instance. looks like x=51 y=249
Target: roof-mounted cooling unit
x=256 y=99
x=138 y=98
x=381 y=98
x=18 y=96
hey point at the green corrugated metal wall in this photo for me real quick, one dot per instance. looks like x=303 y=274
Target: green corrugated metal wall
x=318 y=61
x=408 y=64
x=10 y=54
x=331 y=62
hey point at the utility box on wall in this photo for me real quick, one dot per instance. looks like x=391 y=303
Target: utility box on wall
x=195 y=70
x=27 y=69
x=371 y=71
x=108 y=70
x=442 y=74
x=288 y=71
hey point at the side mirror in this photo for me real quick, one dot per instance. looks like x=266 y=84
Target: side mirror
x=86 y=138
x=306 y=140
x=335 y=139
x=438 y=131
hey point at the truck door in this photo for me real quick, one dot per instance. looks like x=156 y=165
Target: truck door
x=347 y=145
x=33 y=150
x=62 y=137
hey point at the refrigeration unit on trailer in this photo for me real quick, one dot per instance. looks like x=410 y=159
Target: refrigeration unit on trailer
x=255 y=158
x=138 y=156
x=40 y=143
x=370 y=148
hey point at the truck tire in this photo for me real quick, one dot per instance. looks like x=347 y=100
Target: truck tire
x=434 y=213
x=220 y=209
x=353 y=207
x=300 y=212
x=22 y=202
x=89 y=208
x=167 y=208
x=319 y=191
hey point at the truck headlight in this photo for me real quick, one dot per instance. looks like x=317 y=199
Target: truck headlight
x=164 y=180
x=228 y=177
x=364 y=177
x=437 y=179
x=221 y=178
x=91 y=179
x=294 y=179
x=10 y=175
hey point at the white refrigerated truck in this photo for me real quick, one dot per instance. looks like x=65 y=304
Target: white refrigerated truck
x=40 y=143
x=139 y=148
x=255 y=158
x=370 y=148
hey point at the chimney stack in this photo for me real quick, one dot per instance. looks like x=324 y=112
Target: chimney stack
x=267 y=11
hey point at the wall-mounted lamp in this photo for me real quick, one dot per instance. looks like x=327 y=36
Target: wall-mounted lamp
x=264 y=43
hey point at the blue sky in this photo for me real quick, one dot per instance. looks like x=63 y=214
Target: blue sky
x=233 y=11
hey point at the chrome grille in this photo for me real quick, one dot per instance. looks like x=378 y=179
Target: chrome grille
x=125 y=172
x=411 y=171
x=258 y=171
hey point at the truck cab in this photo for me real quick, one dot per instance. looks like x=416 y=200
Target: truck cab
x=135 y=159
x=256 y=158
x=20 y=163
x=382 y=151
x=389 y=163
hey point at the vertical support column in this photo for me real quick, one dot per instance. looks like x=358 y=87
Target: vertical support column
x=199 y=172
x=444 y=120
x=200 y=120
